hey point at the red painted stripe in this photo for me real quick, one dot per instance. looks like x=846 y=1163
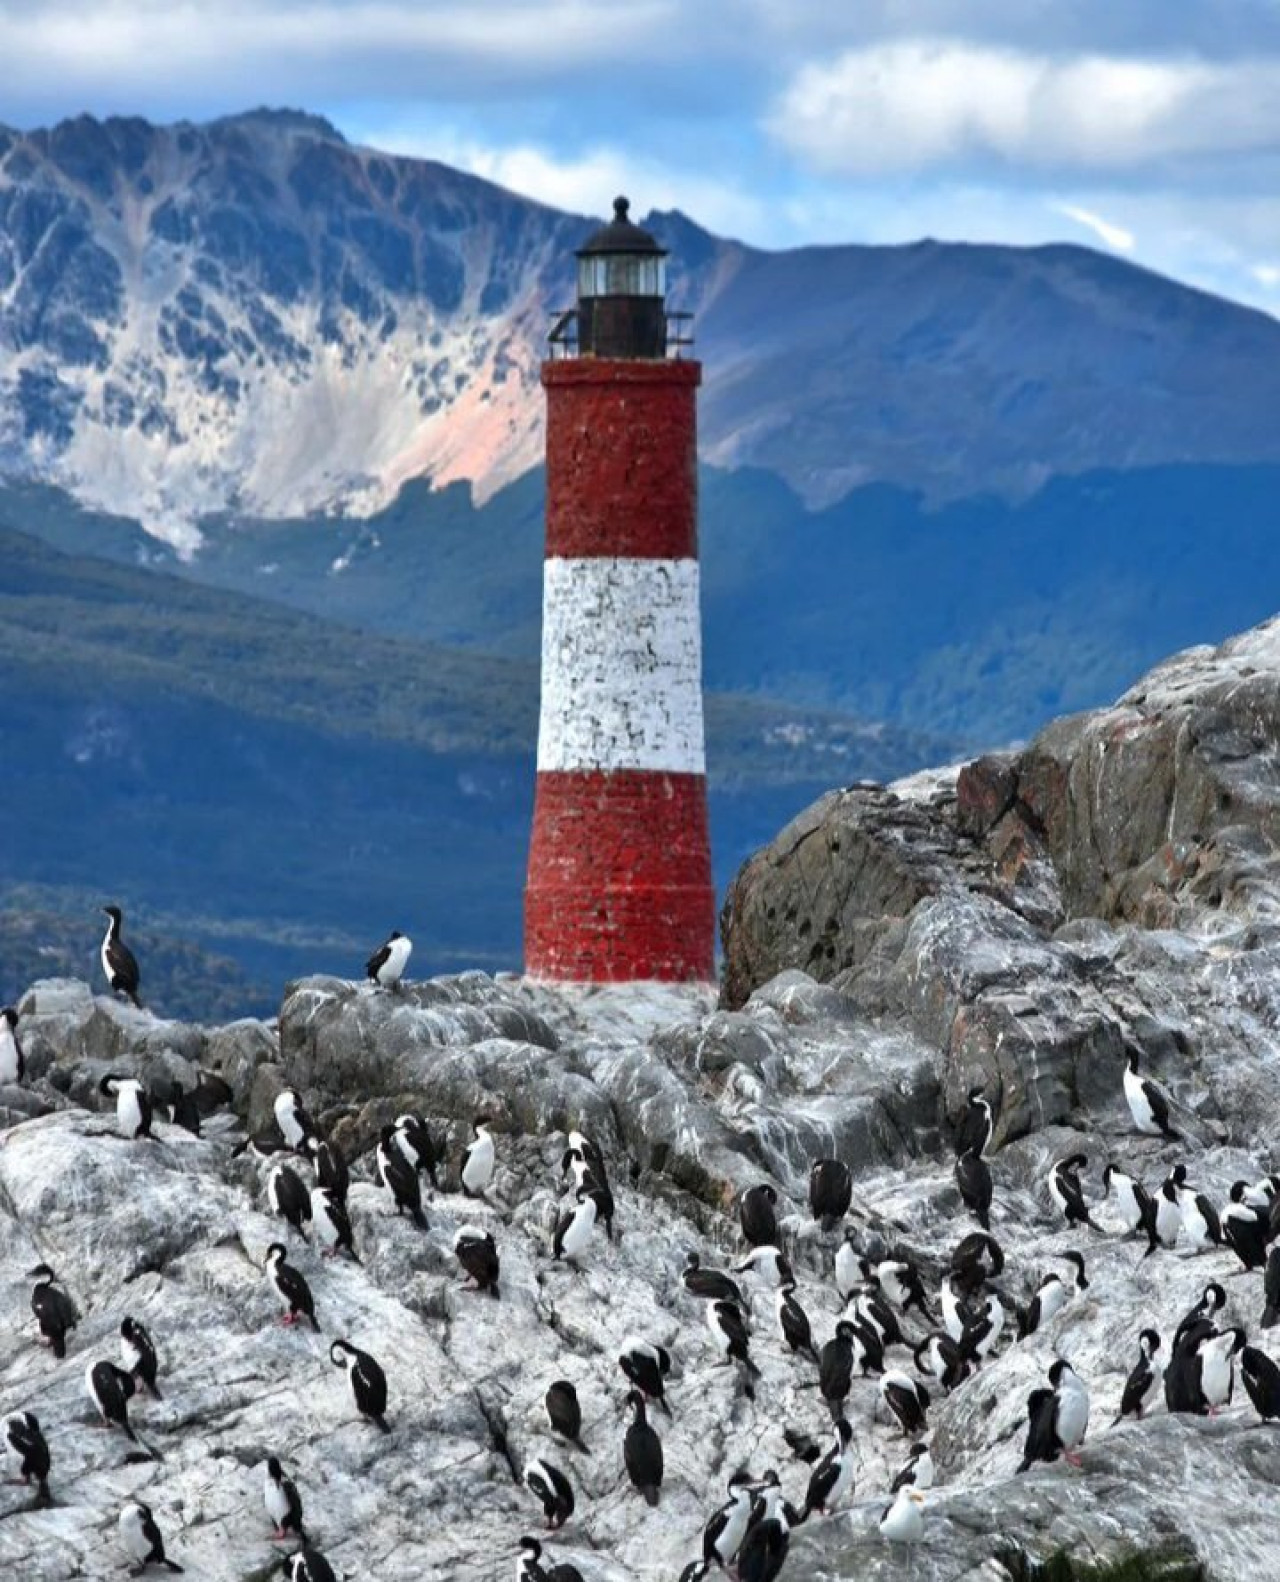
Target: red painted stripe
x=619 y=884
x=622 y=458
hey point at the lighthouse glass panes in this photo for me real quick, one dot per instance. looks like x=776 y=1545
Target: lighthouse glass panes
x=622 y=275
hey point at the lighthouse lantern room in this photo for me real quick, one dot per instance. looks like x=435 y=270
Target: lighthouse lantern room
x=619 y=883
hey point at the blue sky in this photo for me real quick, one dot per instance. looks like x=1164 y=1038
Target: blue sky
x=1147 y=127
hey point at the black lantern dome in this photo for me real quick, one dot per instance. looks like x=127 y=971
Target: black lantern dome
x=622 y=286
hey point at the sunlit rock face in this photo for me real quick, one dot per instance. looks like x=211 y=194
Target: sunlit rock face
x=960 y=955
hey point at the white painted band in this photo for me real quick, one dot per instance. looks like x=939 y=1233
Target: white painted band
x=621 y=666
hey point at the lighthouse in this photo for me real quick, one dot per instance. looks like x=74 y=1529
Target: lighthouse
x=619 y=883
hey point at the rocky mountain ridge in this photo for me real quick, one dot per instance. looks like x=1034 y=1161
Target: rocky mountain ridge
x=254 y=317
x=1020 y=923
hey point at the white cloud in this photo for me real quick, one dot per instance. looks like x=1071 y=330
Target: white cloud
x=125 y=48
x=1267 y=275
x=586 y=184
x=1115 y=236
x=924 y=103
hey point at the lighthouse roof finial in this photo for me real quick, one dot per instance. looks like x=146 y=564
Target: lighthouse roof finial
x=621 y=235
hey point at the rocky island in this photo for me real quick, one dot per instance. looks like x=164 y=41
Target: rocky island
x=1020 y=923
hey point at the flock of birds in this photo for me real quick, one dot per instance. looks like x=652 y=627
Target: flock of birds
x=885 y=1303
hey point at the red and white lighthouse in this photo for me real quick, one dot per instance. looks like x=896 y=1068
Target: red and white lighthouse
x=619 y=884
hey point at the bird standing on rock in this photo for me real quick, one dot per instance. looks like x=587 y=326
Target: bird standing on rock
x=283 y=1502
x=793 y=1321
x=368 y=1382
x=399 y=1178
x=727 y=1527
x=479 y=1159
x=1148 y=1103
x=1068 y=1194
x=554 y=1490
x=1142 y=1387
x=133 y=1104
x=291 y=1287
x=574 y=1228
x=1262 y=1381
x=119 y=965
x=55 y=1312
x=138 y=1354
x=729 y=1332
x=386 y=966
x=977 y=1125
x=903 y=1521
x=564 y=1413
x=288 y=1197
x=646 y=1366
x=710 y=1285
x=333 y=1226
x=1136 y=1205
x=832 y=1478
x=1057 y=1418
x=907 y=1400
x=642 y=1451
x=477 y=1252
x=415 y=1142
x=757 y=1214
x=307 y=1565
x=13 y=1064
x=141 y=1538
x=973 y=1178
x=28 y=1453
x=294 y=1120
x=830 y=1191
x=111 y=1389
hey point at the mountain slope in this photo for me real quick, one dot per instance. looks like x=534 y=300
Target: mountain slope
x=254 y=317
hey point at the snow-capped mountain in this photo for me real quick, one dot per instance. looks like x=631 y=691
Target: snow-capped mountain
x=253 y=316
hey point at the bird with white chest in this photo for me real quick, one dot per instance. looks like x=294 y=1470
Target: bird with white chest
x=12 y=1061
x=479 y=1159
x=133 y=1104
x=1147 y=1100
x=386 y=966
x=141 y=1538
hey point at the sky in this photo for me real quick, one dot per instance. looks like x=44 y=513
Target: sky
x=1147 y=128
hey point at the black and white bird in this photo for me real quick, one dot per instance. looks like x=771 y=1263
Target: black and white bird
x=830 y=1191
x=477 y=1252
x=793 y=1321
x=727 y=1527
x=288 y=1196
x=27 y=1453
x=138 y=1355
x=294 y=1120
x=565 y=1413
x=399 y=1177
x=1052 y=1295
x=479 y=1159
x=291 y=1287
x=1201 y=1229
x=832 y=1479
x=589 y=1175
x=729 y=1333
x=13 y=1065
x=939 y=1357
x=307 y=1565
x=1271 y=1290
x=1146 y=1378
x=1168 y=1212
x=1211 y=1302
x=141 y=1538
x=283 y=1502
x=332 y=1224
x=646 y=1365
x=869 y=1307
x=415 y=1142
x=575 y=1226
x=899 y=1280
x=973 y=1179
x=330 y=1164
x=1217 y=1354
x=133 y=1104
x=764 y=1549
x=977 y=1257
x=977 y=1124
x=1135 y=1204
x=1262 y=1381
x=1147 y=1100
x=1183 y=1371
x=642 y=1451
x=368 y=1382
x=529 y=1561
x=907 y=1400
x=983 y=1324
x=903 y=1521
x=1246 y=1227
x=552 y=1488
x=118 y=964
x=111 y=1389
x=836 y=1362
x=1068 y=1194
x=917 y=1472
x=770 y=1264
x=758 y=1215
x=710 y=1285
x=1057 y=1418
x=56 y=1314
x=386 y=966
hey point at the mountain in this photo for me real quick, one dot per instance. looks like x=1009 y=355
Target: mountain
x=270 y=792
x=253 y=317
